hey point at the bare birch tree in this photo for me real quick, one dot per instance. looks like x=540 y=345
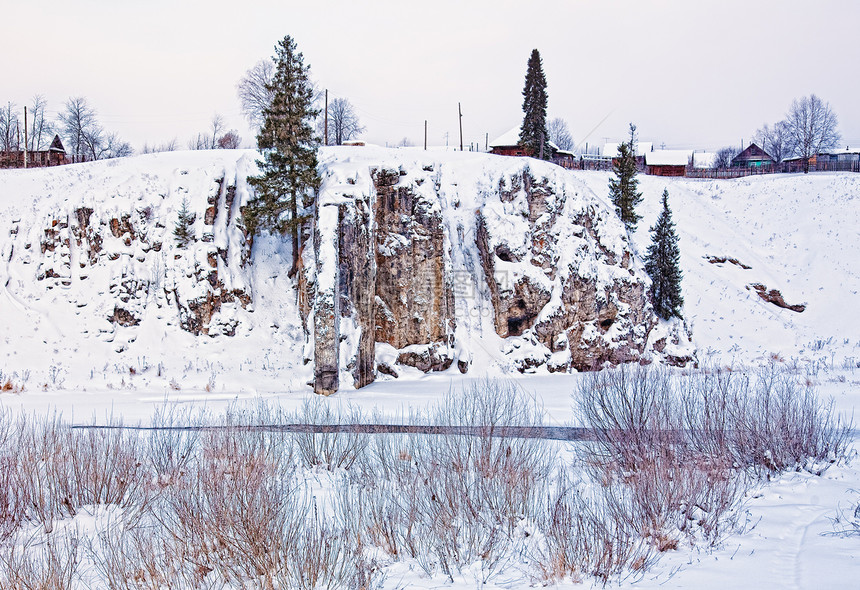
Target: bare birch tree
x=40 y=128
x=559 y=134
x=812 y=127
x=343 y=122
x=255 y=91
x=9 y=127
x=80 y=127
x=777 y=141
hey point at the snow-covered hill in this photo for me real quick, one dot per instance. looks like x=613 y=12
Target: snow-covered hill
x=96 y=295
x=798 y=234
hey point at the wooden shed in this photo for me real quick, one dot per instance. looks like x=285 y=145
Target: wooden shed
x=55 y=155
x=507 y=144
x=667 y=162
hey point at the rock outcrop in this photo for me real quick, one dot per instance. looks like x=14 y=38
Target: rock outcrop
x=117 y=256
x=411 y=264
x=553 y=266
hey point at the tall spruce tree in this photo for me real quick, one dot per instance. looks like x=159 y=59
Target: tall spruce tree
x=622 y=188
x=287 y=142
x=662 y=263
x=533 y=133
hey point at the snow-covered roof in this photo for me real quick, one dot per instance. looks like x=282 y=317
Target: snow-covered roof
x=512 y=137
x=704 y=159
x=668 y=158
x=836 y=152
x=610 y=150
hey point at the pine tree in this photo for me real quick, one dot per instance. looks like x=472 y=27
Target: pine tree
x=622 y=189
x=662 y=263
x=533 y=133
x=287 y=142
x=182 y=230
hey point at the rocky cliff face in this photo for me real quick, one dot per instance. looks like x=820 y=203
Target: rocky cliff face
x=414 y=261
x=114 y=257
x=547 y=262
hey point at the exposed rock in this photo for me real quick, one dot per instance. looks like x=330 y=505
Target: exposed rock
x=358 y=276
x=123 y=317
x=411 y=281
x=326 y=301
x=724 y=259
x=775 y=297
x=430 y=357
x=578 y=287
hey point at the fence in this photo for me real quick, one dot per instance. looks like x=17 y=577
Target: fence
x=729 y=172
x=850 y=166
x=584 y=164
x=793 y=166
x=37 y=159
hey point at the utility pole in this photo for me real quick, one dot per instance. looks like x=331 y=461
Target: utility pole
x=425 y=135
x=25 y=137
x=486 y=142
x=325 y=125
x=460 y=110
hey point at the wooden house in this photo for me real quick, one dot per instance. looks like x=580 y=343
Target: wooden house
x=667 y=162
x=507 y=144
x=838 y=160
x=752 y=157
x=55 y=155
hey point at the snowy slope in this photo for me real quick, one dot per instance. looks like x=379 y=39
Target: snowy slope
x=797 y=233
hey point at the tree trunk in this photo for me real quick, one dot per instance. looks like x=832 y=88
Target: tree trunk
x=294 y=230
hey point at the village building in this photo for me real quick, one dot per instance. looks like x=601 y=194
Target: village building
x=55 y=155
x=847 y=159
x=752 y=157
x=507 y=144
x=667 y=162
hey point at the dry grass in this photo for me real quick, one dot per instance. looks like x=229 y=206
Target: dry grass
x=203 y=502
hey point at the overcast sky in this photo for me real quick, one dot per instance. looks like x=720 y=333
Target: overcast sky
x=690 y=74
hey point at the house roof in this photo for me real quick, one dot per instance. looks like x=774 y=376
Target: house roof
x=57 y=145
x=610 y=150
x=512 y=138
x=668 y=158
x=836 y=152
x=753 y=153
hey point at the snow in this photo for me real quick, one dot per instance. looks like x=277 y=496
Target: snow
x=797 y=233
x=668 y=158
x=704 y=159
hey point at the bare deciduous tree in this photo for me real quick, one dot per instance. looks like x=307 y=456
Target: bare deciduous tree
x=725 y=156
x=343 y=123
x=229 y=141
x=255 y=91
x=559 y=134
x=812 y=126
x=8 y=127
x=40 y=128
x=216 y=129
x=85 y=136
x=80 y=127
x=167 y=146
x=777 y=141
x=216 y=137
